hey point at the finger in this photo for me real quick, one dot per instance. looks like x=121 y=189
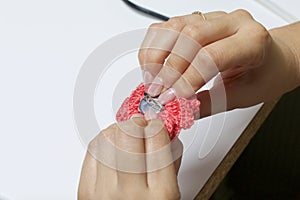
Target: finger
x=213 y=101
x=210 y=60
x=204 y=98
x=90 y=185
x=234 y=98
x=149 y=114
x=191 y=39
x=157 y=38
x=220 y=55
x=159 y=158
x=130 y=153
x=98 y=167
x=210 y=15
x=231 y=90
x=177 y=164
x=177 y=151
x=176 y=144
x=102 y=146
x=159 y=41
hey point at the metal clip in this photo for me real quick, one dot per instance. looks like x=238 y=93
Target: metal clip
x=149 y=103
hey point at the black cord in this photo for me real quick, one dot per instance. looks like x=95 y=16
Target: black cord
x=145 y=11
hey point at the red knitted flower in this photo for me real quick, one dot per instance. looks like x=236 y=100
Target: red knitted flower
x=177 y=114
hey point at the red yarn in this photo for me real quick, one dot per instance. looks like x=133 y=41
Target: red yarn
x=177 y=114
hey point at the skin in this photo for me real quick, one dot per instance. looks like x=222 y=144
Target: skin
x=255 y=66
x=124 y=177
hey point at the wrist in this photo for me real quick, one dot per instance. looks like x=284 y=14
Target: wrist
x=288 y=56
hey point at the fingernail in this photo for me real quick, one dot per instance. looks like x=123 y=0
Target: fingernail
x=150 y=114
x=148 y=78
x=136 y=116
x=167 y=96
x=156 y=87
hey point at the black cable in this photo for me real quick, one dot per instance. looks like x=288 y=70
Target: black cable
x=145 y=11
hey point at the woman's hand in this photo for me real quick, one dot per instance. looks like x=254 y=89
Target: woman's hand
x=179 y=56
x=131 y=160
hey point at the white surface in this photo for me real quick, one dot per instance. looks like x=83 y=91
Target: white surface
x=42 y=47
x=287 y=9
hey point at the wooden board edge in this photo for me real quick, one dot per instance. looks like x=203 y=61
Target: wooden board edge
x=234 y=153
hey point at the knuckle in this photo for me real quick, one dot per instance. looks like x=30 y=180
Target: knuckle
x=219 y=14
x=262 y=34
x=169 y=192
x=156 y=25
x=198 y=32
x=174 y=23
x=184 y=86
x=149 y=55
x=222 y=12
x=174 y=194
x=141 y=56
x=174 y=62
x=192 y=30
x=261 y=42
x=107 y=133
x=242 y=13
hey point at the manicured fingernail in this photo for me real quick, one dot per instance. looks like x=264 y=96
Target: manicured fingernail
x=150 y=114
x=136 y=116
x=156 y=87
x=167 y=96
x=148 y=78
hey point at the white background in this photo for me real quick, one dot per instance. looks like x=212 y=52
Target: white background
x=42 y=47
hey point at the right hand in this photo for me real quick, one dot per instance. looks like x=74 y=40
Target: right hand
x=134 y=159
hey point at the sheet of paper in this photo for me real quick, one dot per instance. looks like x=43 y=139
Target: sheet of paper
x=43 y=45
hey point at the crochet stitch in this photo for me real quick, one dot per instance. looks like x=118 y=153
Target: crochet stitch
x=176 y=115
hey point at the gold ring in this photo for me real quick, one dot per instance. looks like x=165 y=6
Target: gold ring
x=199 y=13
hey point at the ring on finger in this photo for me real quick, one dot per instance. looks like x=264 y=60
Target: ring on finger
x=199 y=13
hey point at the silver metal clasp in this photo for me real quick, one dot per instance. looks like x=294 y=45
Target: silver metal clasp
x=149 y=103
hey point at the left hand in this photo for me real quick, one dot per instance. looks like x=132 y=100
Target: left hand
x=252 y=64
x=123 y=164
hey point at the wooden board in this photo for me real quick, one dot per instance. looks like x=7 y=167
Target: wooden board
x=235 y=152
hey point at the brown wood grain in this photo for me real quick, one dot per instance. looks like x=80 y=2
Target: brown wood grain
x=235 y=152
